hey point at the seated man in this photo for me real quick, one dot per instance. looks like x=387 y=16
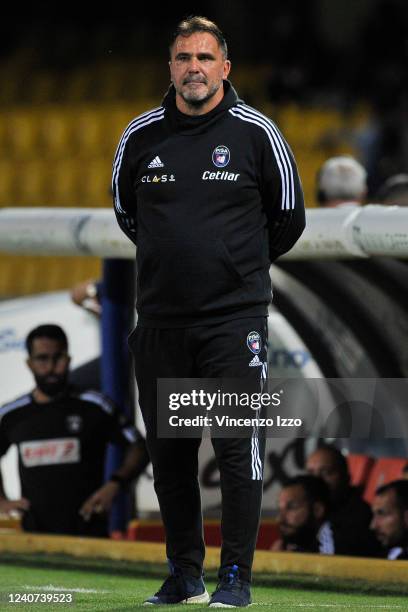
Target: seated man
x=390 y=518
x=61 y=438
x=303 y=511
x=349 y=515
x=341 y=182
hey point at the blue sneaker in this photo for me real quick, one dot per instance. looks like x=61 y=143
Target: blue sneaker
x=231 y=592
x=179 y=588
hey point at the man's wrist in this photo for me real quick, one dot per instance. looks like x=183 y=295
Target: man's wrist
x=120 y=480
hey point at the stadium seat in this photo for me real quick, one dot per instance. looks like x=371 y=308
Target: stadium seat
x=360 y=467
x=96 y=190
x=64 y=185
x=88 y=130
x=7 y=182
x=31 y=184
x=384 y=471
x=55 y=133
x=21 y=134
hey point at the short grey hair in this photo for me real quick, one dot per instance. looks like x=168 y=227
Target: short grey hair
x=341 y=178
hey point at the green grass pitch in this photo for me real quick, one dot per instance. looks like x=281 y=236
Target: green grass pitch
x=122 y=588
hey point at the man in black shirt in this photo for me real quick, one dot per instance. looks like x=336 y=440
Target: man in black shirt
x=61 y=438
x=208 y=190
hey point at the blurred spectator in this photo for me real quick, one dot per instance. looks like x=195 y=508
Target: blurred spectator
x=303 y=516
x=341 y=181
x=62 y=437
x=394 y=191
x=405 y=471
x=349 y=514
x=390 y=518
x=88 y=295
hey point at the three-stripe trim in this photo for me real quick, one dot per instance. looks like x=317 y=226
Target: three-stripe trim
x=145 y=119
x=97 y=398
x=246 y=113
x=256 y=459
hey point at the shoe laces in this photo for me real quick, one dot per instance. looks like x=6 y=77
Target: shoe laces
x=230 y=580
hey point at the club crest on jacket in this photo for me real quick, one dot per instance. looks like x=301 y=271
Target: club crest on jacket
x=221 y=156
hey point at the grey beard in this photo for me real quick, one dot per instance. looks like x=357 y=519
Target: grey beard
x=199 y=102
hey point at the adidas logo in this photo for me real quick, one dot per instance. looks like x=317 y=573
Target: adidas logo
x=255 y=362
x=156 y=163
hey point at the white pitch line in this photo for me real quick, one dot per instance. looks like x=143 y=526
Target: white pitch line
x=331 y=605
x=51 y=587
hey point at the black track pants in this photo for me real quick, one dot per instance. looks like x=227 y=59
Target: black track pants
x=203 y=352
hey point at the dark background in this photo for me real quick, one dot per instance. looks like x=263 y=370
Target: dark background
x=314 y=47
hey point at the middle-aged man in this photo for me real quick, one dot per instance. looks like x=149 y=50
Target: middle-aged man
x=62 y=436
x=208 y=190
x=349 y=515
x=341 y=182
x=390 y=518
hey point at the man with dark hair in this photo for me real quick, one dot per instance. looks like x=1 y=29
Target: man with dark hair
x=61 y=438
x=208 y=190
x=304 y=504
x=350 y=515
x=195 y=24
x=48 y=384
x=390 y=518
x=50 y=331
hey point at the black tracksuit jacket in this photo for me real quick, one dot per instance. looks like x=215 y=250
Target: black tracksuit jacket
x=210 y=201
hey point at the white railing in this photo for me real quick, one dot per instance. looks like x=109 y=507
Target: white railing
x=340 y=233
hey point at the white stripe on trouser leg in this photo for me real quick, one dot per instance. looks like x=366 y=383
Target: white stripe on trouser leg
x=256 y=462
x=256 y=459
